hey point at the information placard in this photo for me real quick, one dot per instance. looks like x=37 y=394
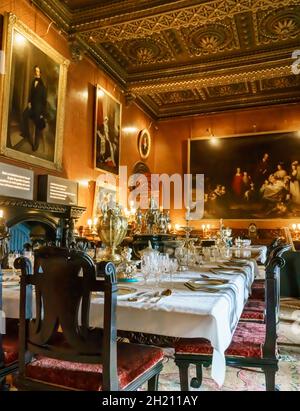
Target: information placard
x=58 y=190
x=16 y=182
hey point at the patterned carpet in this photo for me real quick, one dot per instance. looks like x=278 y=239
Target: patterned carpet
x=287 y=378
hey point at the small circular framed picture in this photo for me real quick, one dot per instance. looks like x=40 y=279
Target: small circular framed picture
x=144 y=143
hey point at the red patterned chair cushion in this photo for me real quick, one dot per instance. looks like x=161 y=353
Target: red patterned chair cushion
x=247 y=341
x=254 y=310
x=258 y=290
x=133 y=361
x=10 y=342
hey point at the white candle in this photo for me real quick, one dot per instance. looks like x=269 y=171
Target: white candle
x=89 y=222
x=298 y=226
x=1 y=213
x=294 y=227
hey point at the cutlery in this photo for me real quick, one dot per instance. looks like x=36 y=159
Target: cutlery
x=141 y=296
x=164 y=293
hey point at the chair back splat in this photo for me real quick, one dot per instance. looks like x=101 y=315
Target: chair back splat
x=272 y=298
x=64 y=281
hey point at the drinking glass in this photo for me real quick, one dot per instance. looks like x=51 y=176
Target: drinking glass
x=173 y=267
x=146 y=268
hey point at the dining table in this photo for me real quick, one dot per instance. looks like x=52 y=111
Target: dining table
x=205 y=301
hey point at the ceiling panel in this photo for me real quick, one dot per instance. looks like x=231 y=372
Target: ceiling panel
x=175 y=57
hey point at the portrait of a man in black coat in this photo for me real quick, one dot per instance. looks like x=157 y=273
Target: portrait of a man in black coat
x=36 y=109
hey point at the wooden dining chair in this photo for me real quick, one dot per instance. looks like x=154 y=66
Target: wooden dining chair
x=9 y=348
x=63 y=351
x=253 y=344
x=258 y=286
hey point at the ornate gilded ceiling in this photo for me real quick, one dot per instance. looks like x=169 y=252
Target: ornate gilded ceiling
x=186 y=56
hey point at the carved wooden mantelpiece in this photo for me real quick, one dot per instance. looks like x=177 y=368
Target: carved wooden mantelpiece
x=61 y=218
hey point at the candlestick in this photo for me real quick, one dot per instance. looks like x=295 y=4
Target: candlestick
x=89 y=222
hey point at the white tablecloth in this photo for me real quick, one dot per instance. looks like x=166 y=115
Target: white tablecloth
x=185 y=313
x=258 y=252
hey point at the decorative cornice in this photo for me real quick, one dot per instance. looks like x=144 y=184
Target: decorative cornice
x=56 y=12
x=208 y=80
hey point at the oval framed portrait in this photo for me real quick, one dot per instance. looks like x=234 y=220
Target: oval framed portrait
x=144 y=143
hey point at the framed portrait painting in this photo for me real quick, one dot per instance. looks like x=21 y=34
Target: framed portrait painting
x=34 y=87
x=107 y=131
x=254 y=176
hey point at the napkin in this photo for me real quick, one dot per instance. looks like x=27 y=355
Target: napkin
x=200 y=287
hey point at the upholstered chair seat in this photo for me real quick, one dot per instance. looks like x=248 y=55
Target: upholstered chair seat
x=133 y=361
x=10 y=343
x=258 y=290
x=247 y=341
x=254 y=310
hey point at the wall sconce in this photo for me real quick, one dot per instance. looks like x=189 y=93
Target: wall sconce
x=130 y=130
x=214 y=141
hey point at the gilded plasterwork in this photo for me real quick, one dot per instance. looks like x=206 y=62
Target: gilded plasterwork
x=215 y=54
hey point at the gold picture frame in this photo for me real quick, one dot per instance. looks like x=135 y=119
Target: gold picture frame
x=263 y=186
x=144 y=143
x=33 y=97
x=107 y=135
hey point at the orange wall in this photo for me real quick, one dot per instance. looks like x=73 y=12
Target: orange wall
x=172 y=135
x=169 y=152
x=79 y=119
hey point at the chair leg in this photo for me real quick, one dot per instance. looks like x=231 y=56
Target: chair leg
x=153 y=383
x=270 y=373
x=3 y=385
x=196 y=382
x=183 y=375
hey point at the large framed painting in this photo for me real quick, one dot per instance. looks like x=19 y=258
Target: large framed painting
x=107 y=131
x=106 y=194
x=33 y=93
x=255 y=176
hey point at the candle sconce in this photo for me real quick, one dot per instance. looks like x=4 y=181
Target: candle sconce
x=295 y=232
x=206 y=230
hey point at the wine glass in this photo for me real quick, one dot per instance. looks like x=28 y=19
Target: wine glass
x=146 y=268
x=173 y=268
